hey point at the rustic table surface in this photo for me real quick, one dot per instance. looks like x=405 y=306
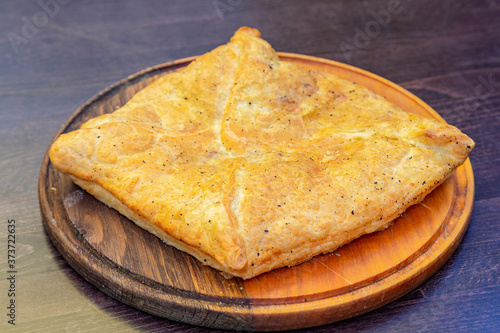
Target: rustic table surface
x=56 y=54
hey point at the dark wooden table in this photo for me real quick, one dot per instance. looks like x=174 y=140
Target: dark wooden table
x=56 y=55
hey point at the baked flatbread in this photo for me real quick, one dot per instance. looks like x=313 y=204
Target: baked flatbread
x=250 y=163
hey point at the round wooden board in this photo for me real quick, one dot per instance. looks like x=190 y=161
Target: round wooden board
x=136 y=268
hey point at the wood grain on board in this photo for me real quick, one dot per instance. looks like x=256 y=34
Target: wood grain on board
x=136 y=268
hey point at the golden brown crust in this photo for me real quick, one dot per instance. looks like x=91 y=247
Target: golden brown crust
x=250 y=163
